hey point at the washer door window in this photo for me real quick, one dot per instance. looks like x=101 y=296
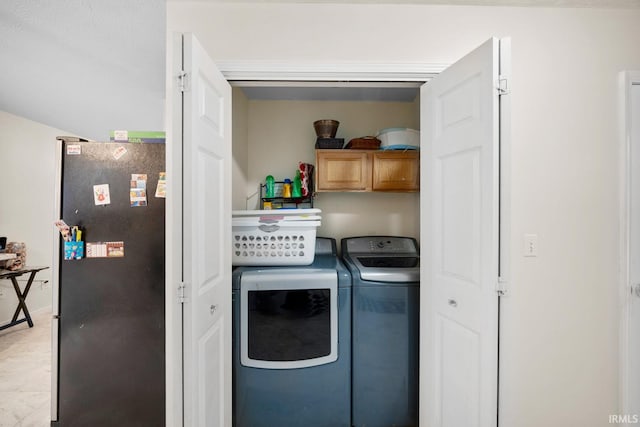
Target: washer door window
x=288 y=318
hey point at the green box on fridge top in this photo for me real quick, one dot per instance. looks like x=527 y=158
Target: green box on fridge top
x=137 y=136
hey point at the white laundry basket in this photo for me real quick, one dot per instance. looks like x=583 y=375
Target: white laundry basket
x=274 y=237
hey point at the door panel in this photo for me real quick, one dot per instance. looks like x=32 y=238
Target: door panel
x=459 y=230
x=206 y=239
x=211 y=398
x=460 y=206
x=459 y=376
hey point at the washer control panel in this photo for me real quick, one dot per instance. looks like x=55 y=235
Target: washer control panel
x=381 y=245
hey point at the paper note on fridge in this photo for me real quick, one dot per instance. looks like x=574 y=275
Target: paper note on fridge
x=101 y=194
x=105 y=249
x=74 y=150
x=119 y=152
x=161 y=189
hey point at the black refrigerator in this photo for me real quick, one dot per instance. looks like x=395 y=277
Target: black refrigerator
x=109 y=315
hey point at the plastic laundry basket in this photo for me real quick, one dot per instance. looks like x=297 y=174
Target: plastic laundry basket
x=274 y=237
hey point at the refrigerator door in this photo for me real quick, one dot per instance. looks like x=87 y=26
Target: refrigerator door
x=111 y=359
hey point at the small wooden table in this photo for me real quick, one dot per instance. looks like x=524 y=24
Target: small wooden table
x=22 y=296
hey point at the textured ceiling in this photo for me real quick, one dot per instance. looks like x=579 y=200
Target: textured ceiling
x=84 y=66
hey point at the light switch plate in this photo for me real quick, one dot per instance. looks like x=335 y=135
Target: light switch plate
x=530 y=248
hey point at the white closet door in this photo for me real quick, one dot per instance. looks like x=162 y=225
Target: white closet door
x=206 y=239
x=460 y=242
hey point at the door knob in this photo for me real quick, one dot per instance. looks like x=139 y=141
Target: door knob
x=453 y=303
x=213 y=308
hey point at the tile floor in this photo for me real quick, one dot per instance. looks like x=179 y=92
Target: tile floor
x=25 y=373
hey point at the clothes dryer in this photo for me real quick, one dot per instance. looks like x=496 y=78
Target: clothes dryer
x=386 y=277
x=291 y=343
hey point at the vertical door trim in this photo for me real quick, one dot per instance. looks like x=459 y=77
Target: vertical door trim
x=174 y=265
x=504 y=185
x=626 y=80
x=504 y=202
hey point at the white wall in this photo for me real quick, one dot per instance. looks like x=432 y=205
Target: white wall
x=240 y=152
x=559 y=356
x=27 y=198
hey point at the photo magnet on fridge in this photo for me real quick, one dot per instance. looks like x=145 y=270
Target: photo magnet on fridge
x=138 y=197
x=138 y=192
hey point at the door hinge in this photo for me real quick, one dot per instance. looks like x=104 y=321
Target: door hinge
x=501 y=287
x=183 y=81
x=181 y=293
x=503 y=85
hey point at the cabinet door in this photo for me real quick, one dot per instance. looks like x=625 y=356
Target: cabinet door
x=396 y=171
x=342 y=170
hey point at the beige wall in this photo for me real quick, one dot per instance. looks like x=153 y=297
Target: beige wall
x=240 y=152
x=559 y=355
x=281 y=134
x=26 y=202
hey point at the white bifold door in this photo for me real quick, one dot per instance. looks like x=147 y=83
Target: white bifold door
x=200 y=263
x=460 y=234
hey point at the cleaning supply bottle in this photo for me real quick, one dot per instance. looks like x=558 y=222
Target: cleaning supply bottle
x=286 y=188
x=296 y=190
x=270 y=190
